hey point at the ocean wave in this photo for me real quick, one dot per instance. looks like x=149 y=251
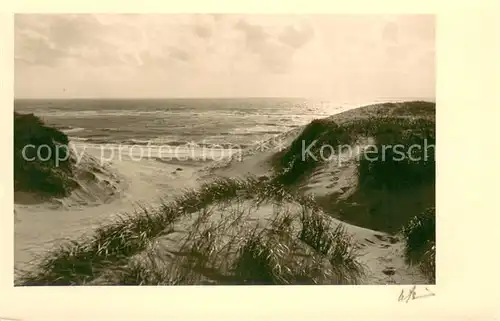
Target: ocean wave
x=167 y=113
x=61 y=127
x=98 y=141
x=265 y=132
x=195 y=161
x=155 y=145
x=78 y=139
x=252 y=131
x=72 y=130
x=96 y=135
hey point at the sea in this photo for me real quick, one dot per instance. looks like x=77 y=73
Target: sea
x=213 y=123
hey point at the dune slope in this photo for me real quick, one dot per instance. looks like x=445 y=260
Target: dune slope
x=47 y=170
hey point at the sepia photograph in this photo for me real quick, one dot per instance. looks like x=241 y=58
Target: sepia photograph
x=224 y=149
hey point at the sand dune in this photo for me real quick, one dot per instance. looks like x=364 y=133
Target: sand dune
x=121 y=185
x=382 y=254
x=105 y=191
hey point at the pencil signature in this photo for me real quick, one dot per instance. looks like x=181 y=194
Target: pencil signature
x=412 y=294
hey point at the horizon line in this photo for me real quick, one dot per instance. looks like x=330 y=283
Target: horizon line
x=222 y=97
x=152 y=98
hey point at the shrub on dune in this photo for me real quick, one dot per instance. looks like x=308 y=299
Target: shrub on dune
x=404 y=156
x=40 y=173
x=420 y=239
x=392 y=128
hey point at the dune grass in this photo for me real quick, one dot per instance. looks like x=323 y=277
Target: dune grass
x=78 y=262
x=403 y=156
x=390 y=124
x=335 y=244
x=121 y=251
x=420 y=239
x=40 y=173
x=397 y=170
x=292 y=166
x=236 y=252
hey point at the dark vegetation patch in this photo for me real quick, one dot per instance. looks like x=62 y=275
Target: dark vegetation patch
x=294 y=163
x=420 y=237
x=378 y=209
x=403 y=155
x=40 y=173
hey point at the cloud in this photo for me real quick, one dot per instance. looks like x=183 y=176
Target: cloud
x=75 y=30
x=221 y=55
x=275 y=51
x=51 y=39
x=111 y=40
x=179 y=54
x=202 y=31
x=390 y=33
x=296 y=37
x=34 y=49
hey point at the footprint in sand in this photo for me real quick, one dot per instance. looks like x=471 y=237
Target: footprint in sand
x=315 y=175
x=316 y=180
x=384 y=246
x=381 y=237
x=359 y=245
x=368 y=240
x=393 y=240
x=390 y=271
x=386 y=238
x=385 y=259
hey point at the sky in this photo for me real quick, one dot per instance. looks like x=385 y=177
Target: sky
x=173 y=55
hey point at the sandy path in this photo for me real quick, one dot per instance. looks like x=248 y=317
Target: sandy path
x=40 y=227
x=381 y=253
x=383 y=258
